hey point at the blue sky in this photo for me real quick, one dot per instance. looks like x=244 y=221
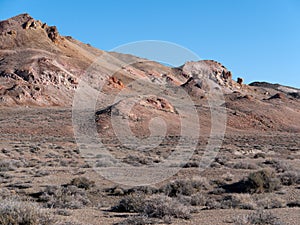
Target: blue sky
x=255 y=39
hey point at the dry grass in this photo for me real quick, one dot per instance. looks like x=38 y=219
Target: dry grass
x=70 y=197
x=185 y=187
x=138 y=220
x=14 y=212
x=155 y=206
x=258 y=218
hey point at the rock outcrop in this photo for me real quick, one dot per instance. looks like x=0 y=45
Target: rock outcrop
x=208 y=69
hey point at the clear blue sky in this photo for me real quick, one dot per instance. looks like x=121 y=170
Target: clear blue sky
x=255 y=39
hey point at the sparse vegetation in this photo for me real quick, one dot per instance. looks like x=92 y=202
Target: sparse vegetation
x=138 y=220
x=270 y=201
x=233 y=201
x=161 y=206
x=245 y=166
x=155 y=206
x=278 y=165
x=9 y=165
x=15 y=212
x=70 y=197
x=185 y=187
x=131 y=203
x=258 y=218
x=290 y=178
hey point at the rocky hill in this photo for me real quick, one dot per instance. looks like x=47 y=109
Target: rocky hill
x=39 y=67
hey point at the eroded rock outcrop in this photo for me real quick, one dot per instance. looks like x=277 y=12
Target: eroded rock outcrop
x=158 y=104
x=208 y=70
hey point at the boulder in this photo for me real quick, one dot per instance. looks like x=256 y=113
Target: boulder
x=52 y=33
x=240 y=81
x=278 y=96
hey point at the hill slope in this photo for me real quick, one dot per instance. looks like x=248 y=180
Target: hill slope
x=39 y=67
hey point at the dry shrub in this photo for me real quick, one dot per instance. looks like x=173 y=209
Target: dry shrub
x=14 y=212
x=156 y=206
x=234 y=201
x=9 y=165
x=290 y=178
x=131 y=203
x=185 y=187
x=138 y=220
x=257 y=182
x=259 y=217
x=198 y=199
x=161 y=206
x=263 y=181
x=245 y=166
x=279 y=166
x=82 y=182
x=270 y=201
x=70 y=197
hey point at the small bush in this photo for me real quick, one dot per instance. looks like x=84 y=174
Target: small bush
x=130 y=203
x=9 y=165
x=262 y=181
x=228 y=176
x=198 y=199
x=14 y=212
x=290 y=178
x=279 y=166
x=245 y=166
x=259 y=155
x=259 y=217
x=156 y=206
x=213 y=203
x=116 y=191
x=257 y=182
x=185 y=187
x=222 y=160
x=137 y=220
x=70 y=197
x=82 y=182
x=69 y=223
x=191 y=164
x=234 y=201
x=105 y=161
x=135 y=160
x=238 y=201
x=270 y=201
x=120 y=191
x=161 y=206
